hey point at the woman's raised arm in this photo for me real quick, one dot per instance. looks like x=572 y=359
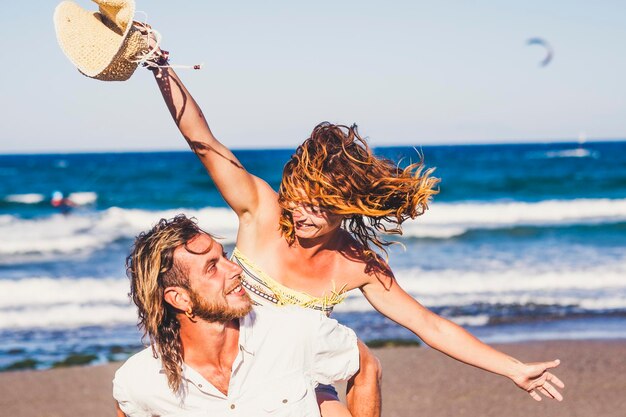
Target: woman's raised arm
x=238 y=187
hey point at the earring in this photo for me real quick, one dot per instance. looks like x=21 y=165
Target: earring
x=189 y=314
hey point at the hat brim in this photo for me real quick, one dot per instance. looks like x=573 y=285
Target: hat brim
x=95 y=45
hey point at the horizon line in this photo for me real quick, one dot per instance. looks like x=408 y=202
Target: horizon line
x=372 y=144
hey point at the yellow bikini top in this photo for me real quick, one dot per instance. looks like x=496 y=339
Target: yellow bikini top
x=263 y=289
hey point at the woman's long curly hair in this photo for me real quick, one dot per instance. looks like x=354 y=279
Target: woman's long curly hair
x=336 y=170
x=151 y=269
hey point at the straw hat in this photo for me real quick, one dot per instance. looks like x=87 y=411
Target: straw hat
x=103 y=45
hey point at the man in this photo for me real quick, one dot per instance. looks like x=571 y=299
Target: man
x=210 y=352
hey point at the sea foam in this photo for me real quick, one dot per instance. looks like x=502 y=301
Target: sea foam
x=66 y=303
x=88 y=231
x=445 y=220
x=31 y=198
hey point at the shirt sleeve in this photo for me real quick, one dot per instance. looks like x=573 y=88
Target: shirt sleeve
x=335 y=352
x=124 y=399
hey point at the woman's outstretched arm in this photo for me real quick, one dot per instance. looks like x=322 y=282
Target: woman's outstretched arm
x=389 y=299
x=241 y=190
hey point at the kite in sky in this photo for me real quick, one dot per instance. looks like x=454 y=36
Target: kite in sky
x=549 y=51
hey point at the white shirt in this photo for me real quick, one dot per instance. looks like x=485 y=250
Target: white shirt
x=284 y=352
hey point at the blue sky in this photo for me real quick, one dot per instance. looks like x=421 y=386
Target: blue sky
x=407 y=72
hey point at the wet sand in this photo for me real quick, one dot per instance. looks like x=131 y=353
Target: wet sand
x=417 y=381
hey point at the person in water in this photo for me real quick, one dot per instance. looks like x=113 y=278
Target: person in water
x=317 y=238
x=64 y=204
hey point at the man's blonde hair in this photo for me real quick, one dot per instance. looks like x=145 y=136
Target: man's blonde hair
x=151 y=268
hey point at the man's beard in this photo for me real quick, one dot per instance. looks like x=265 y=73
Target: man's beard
x=218 y=311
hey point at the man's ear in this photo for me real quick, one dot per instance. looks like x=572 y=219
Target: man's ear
x=177 y=297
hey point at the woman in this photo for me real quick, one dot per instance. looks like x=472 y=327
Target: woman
x=311 y=243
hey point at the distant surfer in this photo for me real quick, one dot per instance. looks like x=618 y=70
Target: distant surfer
x=64 y=204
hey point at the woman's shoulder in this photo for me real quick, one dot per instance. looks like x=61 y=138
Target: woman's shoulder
x=362 y=263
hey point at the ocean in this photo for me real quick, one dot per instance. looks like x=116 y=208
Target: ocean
x=524 y=242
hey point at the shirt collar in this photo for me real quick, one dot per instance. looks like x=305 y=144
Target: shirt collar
x=246 y=329
x=245 y=337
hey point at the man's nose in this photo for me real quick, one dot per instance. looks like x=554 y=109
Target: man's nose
x=235 y=268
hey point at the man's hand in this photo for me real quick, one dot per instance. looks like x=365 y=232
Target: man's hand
x=534 y=378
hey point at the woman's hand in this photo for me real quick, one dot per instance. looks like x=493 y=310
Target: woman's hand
x=447 y=337
x=534 y=378
x=154 y=58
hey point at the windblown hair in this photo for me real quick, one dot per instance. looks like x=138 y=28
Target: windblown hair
x=151 y=269
x=336 y=170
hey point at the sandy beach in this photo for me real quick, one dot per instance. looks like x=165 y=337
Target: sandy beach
x=417 y=382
